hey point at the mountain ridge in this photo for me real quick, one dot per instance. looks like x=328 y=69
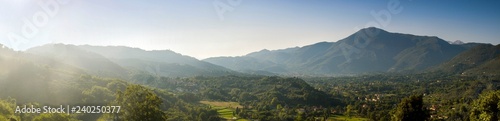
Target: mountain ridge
x=121 y=61
x=160 y=62
x=369 y=50
x=73 y=55
x=358 y=53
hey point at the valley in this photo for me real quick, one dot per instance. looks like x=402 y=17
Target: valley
x=439 y=80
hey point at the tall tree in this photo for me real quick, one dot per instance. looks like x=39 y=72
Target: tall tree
x=7 y=109
x=486 y=107
x=139 y=103
x=411 y=109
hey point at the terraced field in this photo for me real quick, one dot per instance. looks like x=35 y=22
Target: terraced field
x=225 y=109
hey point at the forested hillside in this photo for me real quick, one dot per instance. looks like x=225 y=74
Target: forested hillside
x=476 y=58
x=27 y=82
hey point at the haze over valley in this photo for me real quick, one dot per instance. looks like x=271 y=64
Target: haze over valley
x=238 y=60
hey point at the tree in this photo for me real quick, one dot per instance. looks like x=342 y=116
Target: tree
x=188 y=97
x=274 y=101
x=237 y=111
x=7 y=109
x=326 y=113
x=486 y=107
x=53 y=117
x=97 y=95
x=300 y=116
x=202 y=116
x=116 y=85
x=411 y=109
x=139 y=103
x=348 y=111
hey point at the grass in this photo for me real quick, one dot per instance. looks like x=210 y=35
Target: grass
x=225 y=109
x=225 y=113
x=232 y=105
x=346 y=118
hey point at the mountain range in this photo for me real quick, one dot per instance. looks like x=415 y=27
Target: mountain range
x=121 y=62
x=379 y=51
x=355 y=54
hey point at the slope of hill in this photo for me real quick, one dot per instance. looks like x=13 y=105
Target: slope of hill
x=92 y=63
x=250 y=63
x=426 y=53
x=491 y=65
x=469 y=59
x=26 y=79
x=355 y=54
x=254 y=90
x=159 y=62
x=31 y=80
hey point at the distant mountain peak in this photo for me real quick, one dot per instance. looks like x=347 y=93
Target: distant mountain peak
x=456 y=42
x=264 y=50
x=324 y=42
x=372 y=29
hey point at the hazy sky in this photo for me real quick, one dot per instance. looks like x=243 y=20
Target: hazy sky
x=194 y=27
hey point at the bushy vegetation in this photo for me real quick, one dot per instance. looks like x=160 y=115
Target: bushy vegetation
x=445 y=96
x=376 y=97
x=138 y=102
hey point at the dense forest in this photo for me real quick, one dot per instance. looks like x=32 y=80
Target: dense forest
x=375 y=97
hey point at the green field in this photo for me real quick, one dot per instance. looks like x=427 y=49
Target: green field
x=232 y=105
x=225 y=109
x=224 y=112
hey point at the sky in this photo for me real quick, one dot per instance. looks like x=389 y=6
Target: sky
x=211 y=28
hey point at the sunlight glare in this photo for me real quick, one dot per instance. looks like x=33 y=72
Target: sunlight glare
x=17 y=3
